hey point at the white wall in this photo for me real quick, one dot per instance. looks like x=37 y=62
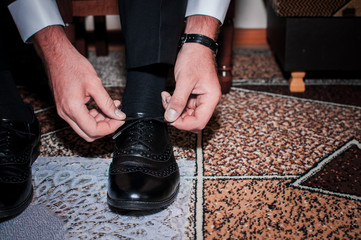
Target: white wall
x=248 y=14
x=113 y=23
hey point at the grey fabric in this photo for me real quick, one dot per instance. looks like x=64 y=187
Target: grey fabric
x=35 y=223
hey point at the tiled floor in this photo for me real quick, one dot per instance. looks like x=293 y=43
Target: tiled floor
x=270 y=164
x=257 y=145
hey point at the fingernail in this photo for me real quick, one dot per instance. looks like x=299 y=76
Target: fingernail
x=119 y=113
x=172 y=115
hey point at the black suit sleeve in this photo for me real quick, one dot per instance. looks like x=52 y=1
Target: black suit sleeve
x=8 y=2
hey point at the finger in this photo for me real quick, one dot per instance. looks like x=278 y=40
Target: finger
x=197 y=120
x=78 y=130
x=165 y=99
x=184 y=114
x=190 y=111
x=90 y=127
x=106 y=104
x=178 y=101
x=93 y=112
x=192 y=102
x=117 y=103
x=100 y=117
x=97 y=116
x=187 y=112
x=113 y=125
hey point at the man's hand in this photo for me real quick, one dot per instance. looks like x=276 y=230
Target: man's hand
x=197 y=90
x=74 y=82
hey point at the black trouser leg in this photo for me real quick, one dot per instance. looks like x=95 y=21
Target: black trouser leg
x=11 y=104
x=151 y=30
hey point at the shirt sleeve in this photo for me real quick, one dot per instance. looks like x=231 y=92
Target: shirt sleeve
x=31 y=16
x=214 y=8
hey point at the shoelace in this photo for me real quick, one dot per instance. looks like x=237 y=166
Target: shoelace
x=137 y=120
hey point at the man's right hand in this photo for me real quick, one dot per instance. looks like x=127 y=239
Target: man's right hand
x=74 y=82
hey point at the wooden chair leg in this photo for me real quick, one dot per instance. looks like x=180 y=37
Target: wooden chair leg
x=224 y=57
x=66 y=11
x=70 y=32
x=100 y=34
x=296 y=82
x=81 y=42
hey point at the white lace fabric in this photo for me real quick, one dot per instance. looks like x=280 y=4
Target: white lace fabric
x=75 y=189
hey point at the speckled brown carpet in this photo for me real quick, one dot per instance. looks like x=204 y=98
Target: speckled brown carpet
x=269 y=165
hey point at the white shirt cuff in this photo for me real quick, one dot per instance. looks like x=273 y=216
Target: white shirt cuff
x=31 y=16
x=213 y=8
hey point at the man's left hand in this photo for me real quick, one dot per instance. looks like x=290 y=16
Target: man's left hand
x=197 y=90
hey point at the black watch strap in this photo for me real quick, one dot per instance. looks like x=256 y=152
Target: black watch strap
x=198 y=38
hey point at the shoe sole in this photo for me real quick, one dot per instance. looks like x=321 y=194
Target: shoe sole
x=140 y=207
x=13 y=212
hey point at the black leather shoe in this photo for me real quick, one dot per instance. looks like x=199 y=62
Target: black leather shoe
x=19 y=148
x=144 y=176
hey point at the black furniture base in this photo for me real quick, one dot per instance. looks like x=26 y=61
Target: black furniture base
x=306 y=44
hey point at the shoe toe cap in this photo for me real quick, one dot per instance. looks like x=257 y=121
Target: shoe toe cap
x=138 y=186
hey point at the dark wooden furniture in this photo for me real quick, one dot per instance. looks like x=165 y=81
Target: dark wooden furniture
x=314 y=43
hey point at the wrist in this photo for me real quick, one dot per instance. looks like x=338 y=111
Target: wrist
x=202 y=24
x=50 y=43
x=199 y=39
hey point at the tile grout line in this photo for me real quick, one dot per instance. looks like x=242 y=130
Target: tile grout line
x=294 y=98
x=281 y=81
x=199 y=190
x=44 y=109
x=55 y=131
x=252 y=177
x=247 y=177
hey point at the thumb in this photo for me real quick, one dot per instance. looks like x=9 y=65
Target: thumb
x=177 y=102
x=107 y=105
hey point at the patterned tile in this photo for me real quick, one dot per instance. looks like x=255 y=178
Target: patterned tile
x=259 y=134
x=75 y=190
x=115 y=92
x=269 y=209
x=341 y=176
x=39 y=99
x=254 y=148
x=50 y=121
x=67 y=143
x=184 y=143
x=111 y=68
x=330 y=92
x=247 y=65
x=338 y=174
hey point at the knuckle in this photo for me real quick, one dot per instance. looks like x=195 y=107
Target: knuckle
x=109 y=102
x=94 y=86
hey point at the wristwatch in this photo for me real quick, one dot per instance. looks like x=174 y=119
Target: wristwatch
x=198 y=38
